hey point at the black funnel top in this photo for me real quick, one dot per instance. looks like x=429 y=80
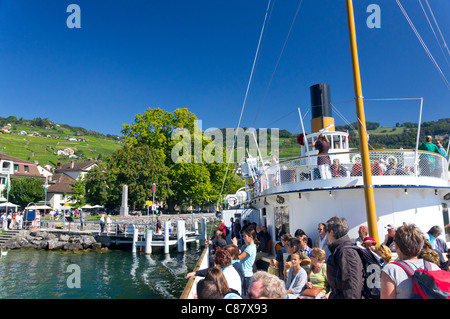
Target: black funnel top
x=320 y=100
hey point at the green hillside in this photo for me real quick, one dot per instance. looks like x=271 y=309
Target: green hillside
x=53 y=137
x=49 y=138
x=380 y=137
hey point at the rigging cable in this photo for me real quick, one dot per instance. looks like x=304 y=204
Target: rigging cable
x=278 y=61
x=423 y=44
x=245 y=98
x=432 y=29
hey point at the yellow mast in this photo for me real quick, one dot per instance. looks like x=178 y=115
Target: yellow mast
x=365 y=161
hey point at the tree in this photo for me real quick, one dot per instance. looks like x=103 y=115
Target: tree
x=191 y=182
x=96 y=186
x=78 y=197
x=26 y=190
x=138 y=167
x=193 y=179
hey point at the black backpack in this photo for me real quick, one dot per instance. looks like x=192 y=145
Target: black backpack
x=372 y=265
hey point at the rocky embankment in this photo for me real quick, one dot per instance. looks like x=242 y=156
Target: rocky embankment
x=52 y=241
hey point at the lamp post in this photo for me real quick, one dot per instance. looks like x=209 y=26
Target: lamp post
x=153 y=202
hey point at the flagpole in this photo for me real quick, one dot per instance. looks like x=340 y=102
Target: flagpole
x=364 y=149
x=8 y=187
x=45 y=196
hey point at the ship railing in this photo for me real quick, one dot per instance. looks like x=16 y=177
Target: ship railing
x=347 y=165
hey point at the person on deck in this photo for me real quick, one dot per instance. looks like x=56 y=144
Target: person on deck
x=338 y=170
x=296 y=278
x=214 y=243
x=321 y=241
x=247 y=255
x=317 y=277
x=323 y=160
x=389 y=238
x=395 y=281
x=427 y=161
x=222 y=228
x=437 y=243
x=363 y=232
x=344 y=266
x=281 y=256
x=441 y=148
x=266 y=286
x=222 y=260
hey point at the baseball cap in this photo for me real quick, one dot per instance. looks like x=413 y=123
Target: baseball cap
x=369 y=239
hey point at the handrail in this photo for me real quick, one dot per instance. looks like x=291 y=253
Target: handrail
x=305 y=168
x=191 y=281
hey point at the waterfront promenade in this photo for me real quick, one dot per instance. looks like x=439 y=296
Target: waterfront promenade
x=139 y=232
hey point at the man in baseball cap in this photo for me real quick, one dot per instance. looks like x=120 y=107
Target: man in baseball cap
x=389 y=238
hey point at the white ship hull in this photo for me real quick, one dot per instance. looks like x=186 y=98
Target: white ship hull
x=305 y=209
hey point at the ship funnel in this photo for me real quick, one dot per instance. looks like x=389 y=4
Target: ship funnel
x=321 y=108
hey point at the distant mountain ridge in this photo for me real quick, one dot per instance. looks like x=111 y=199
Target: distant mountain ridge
x=402 y=135
x=40 y=139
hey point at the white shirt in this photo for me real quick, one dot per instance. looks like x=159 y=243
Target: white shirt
x=233 y=278
x=322 y=241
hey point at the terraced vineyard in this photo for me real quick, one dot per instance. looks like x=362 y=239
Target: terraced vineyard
x=44 y=149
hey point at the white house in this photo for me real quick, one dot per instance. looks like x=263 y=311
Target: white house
x=66 y=152
x=74 y=169
x=16 y=168
x=59 y=190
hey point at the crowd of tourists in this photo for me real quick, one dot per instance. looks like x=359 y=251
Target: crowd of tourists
x=332 y=266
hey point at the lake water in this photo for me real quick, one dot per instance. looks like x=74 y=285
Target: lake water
x=110 y=274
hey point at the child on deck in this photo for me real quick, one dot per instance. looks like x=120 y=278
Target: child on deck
x=247 y=255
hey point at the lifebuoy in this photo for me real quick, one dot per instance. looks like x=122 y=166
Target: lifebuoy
x=300 y=139
x=391 y=159
x=232 y=201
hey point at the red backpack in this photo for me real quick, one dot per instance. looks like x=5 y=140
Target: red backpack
x=428 y=283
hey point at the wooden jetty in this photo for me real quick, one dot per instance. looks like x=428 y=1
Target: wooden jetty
x=148 y=238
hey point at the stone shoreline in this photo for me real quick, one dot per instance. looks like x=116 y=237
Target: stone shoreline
x=52 y=241
x=48 y=240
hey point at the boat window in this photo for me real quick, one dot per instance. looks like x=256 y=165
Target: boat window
x=310 y=142
x=330 y=139
x=337 y=141
x=281 y=221
x=344 y=141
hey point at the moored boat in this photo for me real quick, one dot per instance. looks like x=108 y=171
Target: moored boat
x=374 y=188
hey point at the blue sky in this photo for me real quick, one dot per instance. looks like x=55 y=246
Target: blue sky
x=131 y=55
